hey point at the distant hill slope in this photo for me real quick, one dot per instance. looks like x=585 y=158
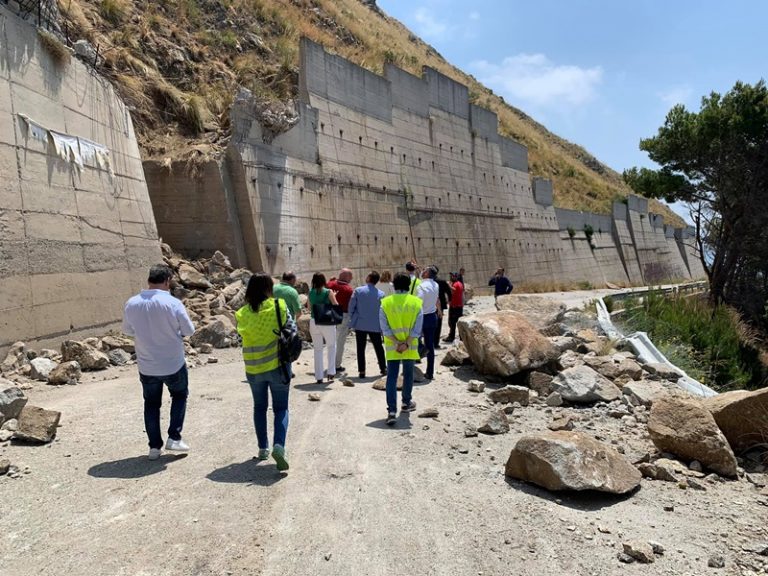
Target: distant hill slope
x=178 y=64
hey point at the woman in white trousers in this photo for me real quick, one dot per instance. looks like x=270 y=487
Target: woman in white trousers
x=323 y=337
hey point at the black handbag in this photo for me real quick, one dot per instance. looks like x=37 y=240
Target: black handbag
x=288 y=345
x=327 y=314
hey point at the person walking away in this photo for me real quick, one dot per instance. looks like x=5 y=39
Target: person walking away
x=501 y=284
x=385 y=285
x=444 y=298
x=286 y=290
x=401 y=321
x=456 y=306
x=323 y=337
x=364 y=320
x=258 y=326
x=158 y=322
x=429 y=294
x=413 y=275
x=343 y=289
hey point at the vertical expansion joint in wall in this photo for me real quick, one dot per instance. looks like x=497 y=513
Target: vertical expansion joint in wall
x=234 y=216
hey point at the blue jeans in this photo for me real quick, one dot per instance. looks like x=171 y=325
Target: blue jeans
x=178 y=387
x=393 y=369
x=428 y=332
x=260 y=384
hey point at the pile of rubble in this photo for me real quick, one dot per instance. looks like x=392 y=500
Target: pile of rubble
x=538 y=355
x=211 y=289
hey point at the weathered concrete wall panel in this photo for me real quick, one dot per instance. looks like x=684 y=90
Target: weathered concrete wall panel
x=427 y=178
x=75 y=240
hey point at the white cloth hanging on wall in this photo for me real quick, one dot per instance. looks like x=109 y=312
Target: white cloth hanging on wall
x=79 y=151
x=34 y=129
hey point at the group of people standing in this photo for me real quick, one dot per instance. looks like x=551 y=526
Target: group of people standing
x=401 y=316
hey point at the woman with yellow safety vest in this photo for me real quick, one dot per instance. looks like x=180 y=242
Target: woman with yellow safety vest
x=257 y=324
x=401 y=320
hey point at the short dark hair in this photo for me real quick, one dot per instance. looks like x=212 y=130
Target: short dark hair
x=159 y=273
x=410 y=266
x=401 y=282
x=374 y=277
x=432 y=272
x=289 y=276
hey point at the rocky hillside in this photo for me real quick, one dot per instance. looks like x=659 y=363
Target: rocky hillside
x=178 y=64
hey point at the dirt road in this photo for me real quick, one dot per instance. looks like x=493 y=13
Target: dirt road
x=360 y=498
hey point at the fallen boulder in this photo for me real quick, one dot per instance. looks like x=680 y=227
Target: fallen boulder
x=65 y=373
x=646 y=392
x=41 y=368
x=684 y=427
x=118 y=357
x=541 y=383
x=504 y=343
x=191 y=278
x=118 y=341
x=742 y=416
x=219 y=332
x=456 y=356
x=569 y=460
x=509 y=394
x=88 y=357
x=497 y=423
x=543 y=313
x=37 y=425
x=581 y=384
x=12 y=400
x=660 y=371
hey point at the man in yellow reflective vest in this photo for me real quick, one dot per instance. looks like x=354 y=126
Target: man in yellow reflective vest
x=401 y=319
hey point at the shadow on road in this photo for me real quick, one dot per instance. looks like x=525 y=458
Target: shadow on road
x=403 y=423
x=314 y=386
x=587 y=501
x=248 y=472
x=134 y=467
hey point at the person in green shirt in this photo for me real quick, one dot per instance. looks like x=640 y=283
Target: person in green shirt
x=286 y=291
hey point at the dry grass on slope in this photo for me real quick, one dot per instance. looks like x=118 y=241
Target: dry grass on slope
x=178 y=64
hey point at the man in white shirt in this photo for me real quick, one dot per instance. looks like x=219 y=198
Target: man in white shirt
x=158 y=322
x=429 y=292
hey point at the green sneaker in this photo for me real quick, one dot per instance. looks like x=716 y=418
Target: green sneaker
x=278 y=453
x=263 y=454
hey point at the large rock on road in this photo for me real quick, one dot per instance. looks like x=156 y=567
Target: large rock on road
x=571 y=461
x=583 y=385
x=684 y=427
x=742 y=416
x=12 y=400
x=87 y=356
x=504 y=343
x=37 y=425
x=543 y=313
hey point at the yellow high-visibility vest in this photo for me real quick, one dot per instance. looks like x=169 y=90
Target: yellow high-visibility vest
x=415 y=281
x=257 y=330
x=401 y=311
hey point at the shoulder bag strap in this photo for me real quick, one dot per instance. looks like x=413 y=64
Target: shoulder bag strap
x=279 y=320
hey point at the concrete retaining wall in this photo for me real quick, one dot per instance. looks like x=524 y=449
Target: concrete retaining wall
x=370 y=180
x=75 y=242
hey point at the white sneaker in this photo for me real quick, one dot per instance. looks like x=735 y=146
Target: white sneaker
x=176 y=445
x=154 y=453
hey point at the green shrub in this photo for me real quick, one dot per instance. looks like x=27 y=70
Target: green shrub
x=610 y=303
x=711 y=344
x=571 y=232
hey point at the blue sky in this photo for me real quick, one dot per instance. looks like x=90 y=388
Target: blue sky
x=600 y=73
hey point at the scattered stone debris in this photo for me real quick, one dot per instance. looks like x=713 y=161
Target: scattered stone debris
x=583 y=385
x=640 y=551
x=509 y=394
x=429 y=413
x=65 y=373
x=37 y=425
x=476 y=386
x=497 y=423
x=716 y=561
x=314 y=397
